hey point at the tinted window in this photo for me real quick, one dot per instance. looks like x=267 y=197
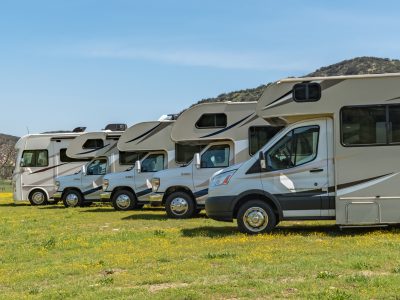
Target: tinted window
x=65 y=158
x=211 y=121
x=130 y=158
x=307 y=92
x=259 y=136
x=215 y=157
x=153 y=163
x=93 y=144
x=296 y=148
x=184 y=153
x=35 y=158
x=97 y=167
x=364 y=125
x=394 y=124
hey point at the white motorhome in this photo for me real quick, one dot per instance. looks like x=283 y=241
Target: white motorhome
x=336 y=158
x=220 y=134
x=40 y=159
x=85 y=186
x=148 y=145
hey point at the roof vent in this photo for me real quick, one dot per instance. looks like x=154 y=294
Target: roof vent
x=116 y=127
x=79 y=129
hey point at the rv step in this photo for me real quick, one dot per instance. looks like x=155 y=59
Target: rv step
x=362 y=226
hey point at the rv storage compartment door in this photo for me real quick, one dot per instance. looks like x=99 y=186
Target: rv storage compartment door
x=365 y=212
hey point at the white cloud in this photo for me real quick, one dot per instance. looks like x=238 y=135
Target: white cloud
x=197 y=58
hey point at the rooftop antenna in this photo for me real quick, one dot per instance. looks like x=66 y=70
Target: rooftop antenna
x=27 y=129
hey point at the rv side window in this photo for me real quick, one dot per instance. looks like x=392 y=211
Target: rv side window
x=296 y=148
x=212 y=121
x=215 y=157
x=35 y=158
x=65 y=158
x=394 y=123
x=184 y=153
x=97 y=167
x=93 y=144
x=363 y=125
x=259 y=136
x=307 y=92
x=129 y=158
x=153 y=163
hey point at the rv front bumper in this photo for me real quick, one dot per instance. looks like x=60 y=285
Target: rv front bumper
x=155 y=199
x=220 y=208
x=105 y=196
x=57 y=196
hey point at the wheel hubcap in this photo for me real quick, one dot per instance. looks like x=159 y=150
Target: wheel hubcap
x=38 y=197
x=123 y=201
x=255 y=219
x=179 y=206
x=72 y=199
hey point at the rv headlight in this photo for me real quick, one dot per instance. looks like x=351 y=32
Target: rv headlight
x=155 y=184
x=222 y=178
x=106 y=182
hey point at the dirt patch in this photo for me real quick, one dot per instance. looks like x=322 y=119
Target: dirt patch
x=162 y=286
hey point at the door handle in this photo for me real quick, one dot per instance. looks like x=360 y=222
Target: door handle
x=186 y=174
x=316 y=170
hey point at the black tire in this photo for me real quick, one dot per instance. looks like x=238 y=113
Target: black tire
x=264 y=220
x=180 y=205
x=72 y=198
x=38 y=197
x=124 y=200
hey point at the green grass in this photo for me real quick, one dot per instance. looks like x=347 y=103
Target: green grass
x=5 y=186
x=90 y=253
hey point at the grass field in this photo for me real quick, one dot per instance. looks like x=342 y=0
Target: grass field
x=5 y=186
x=91 y=253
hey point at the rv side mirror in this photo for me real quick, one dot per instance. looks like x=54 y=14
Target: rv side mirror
x=263 y=163
x=83 y=170
x=138 y=166
x=197 y=160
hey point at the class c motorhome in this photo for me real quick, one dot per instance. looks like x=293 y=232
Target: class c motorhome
x=40 y=159
x=208 y=137
x=336 y=159
x=101 y=149
x=148 y=145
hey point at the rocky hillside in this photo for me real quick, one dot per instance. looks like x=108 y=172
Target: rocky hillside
x=355 y=66
x=7 y=155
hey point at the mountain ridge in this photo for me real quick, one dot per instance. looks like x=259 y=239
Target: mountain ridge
x=354 y=66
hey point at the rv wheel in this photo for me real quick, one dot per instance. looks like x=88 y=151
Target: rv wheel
x=123 y=200
x=72 y=198
x=256 y=217
x=38 y=197
x=179 y=205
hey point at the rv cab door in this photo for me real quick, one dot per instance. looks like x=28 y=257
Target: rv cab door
x=298 y=171
x=150 y=164
x=93 y=178
x=212 y=159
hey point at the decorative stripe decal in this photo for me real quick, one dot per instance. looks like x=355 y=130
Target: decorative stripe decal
x=143 y=134
x=92 y=190
x=200 y=193
x=48 y=168
x=284 y=99
x=144 y=192
x=97 y=149
x=111 y=148
x=155 y=131
x=227 y=128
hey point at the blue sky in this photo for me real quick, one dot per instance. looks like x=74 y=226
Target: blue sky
x=90 y=62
